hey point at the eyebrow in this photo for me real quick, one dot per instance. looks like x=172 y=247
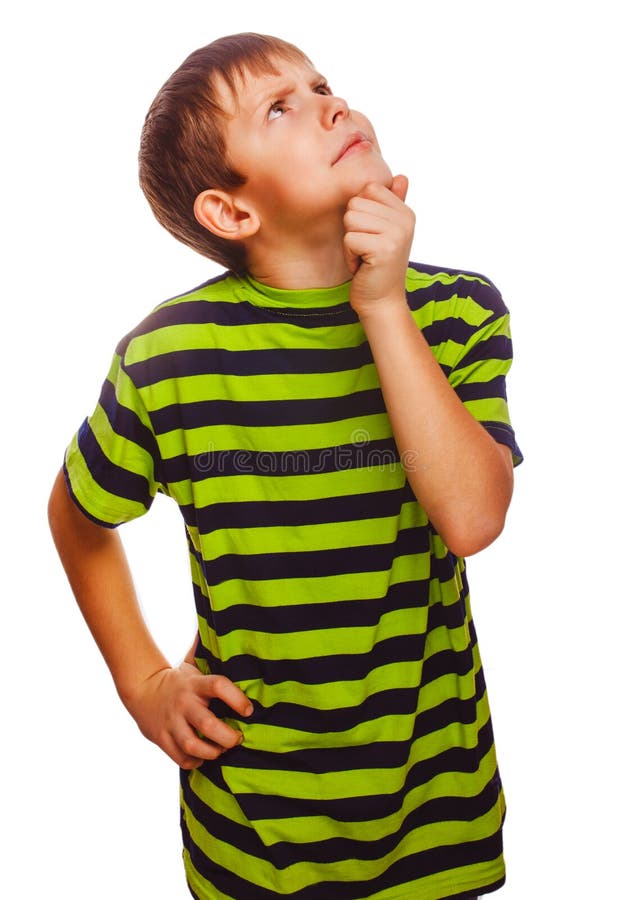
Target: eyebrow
x=283 y=88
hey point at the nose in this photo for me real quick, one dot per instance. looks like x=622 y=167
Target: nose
x=335 y=109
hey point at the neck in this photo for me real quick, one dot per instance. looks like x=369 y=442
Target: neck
x=299 y=262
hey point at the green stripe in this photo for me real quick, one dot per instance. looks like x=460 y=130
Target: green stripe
x=321 y=641
x=241 y=488
x=323 y=589
x=245 y=388
x=342 y=784
x=301 y=875
x=274 y=438
x=493 y=409
x=343 y=694
x=198 y=883
x=170 y=338
x=415 y=279
x=480 y=372
x=101 y=503
x=454 y=307
x=302 y=829
x=447 y=884
x=293 y=538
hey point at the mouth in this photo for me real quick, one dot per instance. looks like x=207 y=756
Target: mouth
x=354 y=143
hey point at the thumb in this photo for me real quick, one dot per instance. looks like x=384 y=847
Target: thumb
x=399 y=186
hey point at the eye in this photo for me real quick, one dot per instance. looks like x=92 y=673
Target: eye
x=276 y=110
x=323 y=88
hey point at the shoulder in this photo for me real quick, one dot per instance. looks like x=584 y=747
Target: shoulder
x=167 y=341
x=445 y=291
x=200 y=305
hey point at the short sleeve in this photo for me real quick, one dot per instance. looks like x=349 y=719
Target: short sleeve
x=111 y=465
x=479 y=370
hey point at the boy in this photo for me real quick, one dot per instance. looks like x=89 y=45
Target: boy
x=331 y=720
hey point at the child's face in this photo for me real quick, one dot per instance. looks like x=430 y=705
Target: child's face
x=303 y=152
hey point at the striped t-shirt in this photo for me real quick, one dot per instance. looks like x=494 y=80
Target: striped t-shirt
x=368 y=767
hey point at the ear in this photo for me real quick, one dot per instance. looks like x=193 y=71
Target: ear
x=225 y=215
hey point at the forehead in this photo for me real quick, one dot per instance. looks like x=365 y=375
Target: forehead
x=246 y=84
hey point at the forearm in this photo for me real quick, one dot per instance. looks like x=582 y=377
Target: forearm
x=98 y=571
x=460 y=475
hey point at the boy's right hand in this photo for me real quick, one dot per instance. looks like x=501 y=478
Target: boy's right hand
x=173 y=704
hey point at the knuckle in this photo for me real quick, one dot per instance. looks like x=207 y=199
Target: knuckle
x=187 y=745
x=217 y=682
x=212 y=751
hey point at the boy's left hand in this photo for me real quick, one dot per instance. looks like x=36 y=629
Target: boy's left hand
x=378 y=234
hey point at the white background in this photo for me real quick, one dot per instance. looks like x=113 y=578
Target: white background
x=506 y=118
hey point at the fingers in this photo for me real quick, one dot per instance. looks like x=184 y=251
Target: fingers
x=214 y=729
x=172 y=710
x=393 y=196
x=370 y=248
x=214 y=739
x=221 y=687
x=377 y=209
x=376 y=227
x=368 y=220
x=215 y=735
x=198 y=735
x=353 y=260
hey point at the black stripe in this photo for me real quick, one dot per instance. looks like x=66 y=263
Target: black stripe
x=311 y=317
x=380 y=755
x=503 y=434
x=79 y=504
x=349 y=613
x=199 y=311
x=399 y=701
x=285 y=854
x=322 y=669
x=456 y=330
x=486 y=295
x=264 y=413
x=498 y=346
x=352 y=613
x=126 y=423
x=352 y=507
x=114 y=479
x=482 y=390
x=318 y=460
x=412 y=867
x=317 y=670
x=273 y=361
x=316 y=563
x=396 y=701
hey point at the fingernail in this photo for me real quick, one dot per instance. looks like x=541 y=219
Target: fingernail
x=248 y=709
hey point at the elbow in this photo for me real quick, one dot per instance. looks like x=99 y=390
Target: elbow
x=469 y=541
x=473 y=515
x=469 y=534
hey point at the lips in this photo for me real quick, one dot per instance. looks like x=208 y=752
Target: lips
x=354 y=141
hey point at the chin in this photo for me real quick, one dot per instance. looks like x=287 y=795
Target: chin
x=379 y=172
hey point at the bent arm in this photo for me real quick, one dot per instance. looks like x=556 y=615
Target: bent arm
x=97 y=568
x=462 y=477
x=169 y=705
